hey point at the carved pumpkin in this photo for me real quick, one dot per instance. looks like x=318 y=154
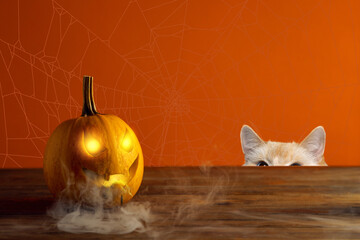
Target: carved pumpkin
x=93 y=151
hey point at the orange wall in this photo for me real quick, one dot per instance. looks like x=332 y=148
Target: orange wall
x=185 y=75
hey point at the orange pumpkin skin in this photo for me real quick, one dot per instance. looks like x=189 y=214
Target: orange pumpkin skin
x=116 y=167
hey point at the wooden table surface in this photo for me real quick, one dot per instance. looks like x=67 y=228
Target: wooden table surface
x=207 y=203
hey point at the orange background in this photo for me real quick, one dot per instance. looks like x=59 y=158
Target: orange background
x=185 y=75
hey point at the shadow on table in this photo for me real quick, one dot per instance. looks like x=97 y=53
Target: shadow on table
x=25 y=206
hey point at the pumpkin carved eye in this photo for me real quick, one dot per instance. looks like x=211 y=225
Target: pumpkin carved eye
x=92 y=145
x=126 y=143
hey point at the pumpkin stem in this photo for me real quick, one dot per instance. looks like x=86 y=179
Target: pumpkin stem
x=89 y=108
x=92 y=96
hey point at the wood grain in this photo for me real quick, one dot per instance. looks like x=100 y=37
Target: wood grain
x=208 y=203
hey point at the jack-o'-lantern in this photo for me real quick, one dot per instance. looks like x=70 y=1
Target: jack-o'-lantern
x=93 y=151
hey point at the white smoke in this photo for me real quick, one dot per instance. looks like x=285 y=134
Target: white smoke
x=133 y=217
x=137 y=215
x=92 y=214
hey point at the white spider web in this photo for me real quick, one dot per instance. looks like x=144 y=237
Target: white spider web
x=171 y=88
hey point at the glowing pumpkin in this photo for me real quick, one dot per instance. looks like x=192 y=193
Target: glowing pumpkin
x=94 y=150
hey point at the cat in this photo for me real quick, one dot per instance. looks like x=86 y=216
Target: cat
x=310 y=152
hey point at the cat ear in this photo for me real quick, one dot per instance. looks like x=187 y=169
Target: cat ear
x=315 y=142
x=249 y=139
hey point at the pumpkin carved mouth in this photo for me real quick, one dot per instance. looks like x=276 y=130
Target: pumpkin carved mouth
x=133 y=168
x=100 y=181
x=114 y=179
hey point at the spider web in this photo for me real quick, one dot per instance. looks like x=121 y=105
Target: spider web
x=185 y=75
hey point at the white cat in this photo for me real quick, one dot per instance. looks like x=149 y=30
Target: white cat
x=310 y=152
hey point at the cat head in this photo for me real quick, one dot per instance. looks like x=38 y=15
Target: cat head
x=310 y=152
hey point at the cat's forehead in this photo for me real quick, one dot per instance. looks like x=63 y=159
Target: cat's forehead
x=283 y=154
x=282 y=150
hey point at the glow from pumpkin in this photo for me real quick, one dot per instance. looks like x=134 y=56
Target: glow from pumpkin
x=115 y=179
x=126 y=143
x=92 y=146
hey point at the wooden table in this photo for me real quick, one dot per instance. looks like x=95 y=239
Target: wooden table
x=208 y=203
